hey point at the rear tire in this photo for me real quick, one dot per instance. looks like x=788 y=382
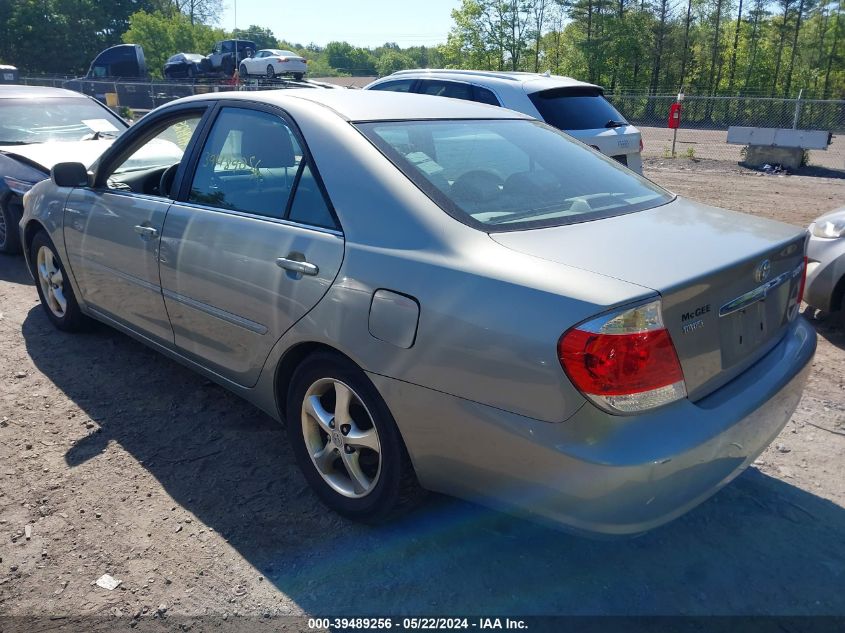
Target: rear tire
x=346 y=441
x=10 y=241
x=298 y=76
x=53 y=285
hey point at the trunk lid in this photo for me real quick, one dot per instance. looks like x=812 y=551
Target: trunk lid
x=618 y=143
x=723 y=306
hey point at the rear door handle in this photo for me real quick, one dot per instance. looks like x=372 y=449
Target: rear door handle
x=295 y=266
x=146 y=232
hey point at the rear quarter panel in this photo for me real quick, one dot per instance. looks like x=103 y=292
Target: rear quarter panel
x=490 y=318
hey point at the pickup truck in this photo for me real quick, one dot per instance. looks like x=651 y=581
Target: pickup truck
x=227 y=54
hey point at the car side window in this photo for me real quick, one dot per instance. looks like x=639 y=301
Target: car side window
x=249 y=163
x=445 y=89
x=309 y=206
x=482 y=95
x=143 y=170
x=400 y=85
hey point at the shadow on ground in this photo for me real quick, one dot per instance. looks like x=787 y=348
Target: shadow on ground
x=814 y=171
x=13 y=269
x=759 y=546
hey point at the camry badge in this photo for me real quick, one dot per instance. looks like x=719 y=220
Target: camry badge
x=761 y=273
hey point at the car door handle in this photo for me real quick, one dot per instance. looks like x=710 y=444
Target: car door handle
x=146 y=232
x=295 y=266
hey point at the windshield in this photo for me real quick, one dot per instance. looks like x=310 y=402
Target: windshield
x=504 y=175
x=24 y=121
x=576 y=109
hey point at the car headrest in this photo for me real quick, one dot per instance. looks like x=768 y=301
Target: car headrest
x=269 y=145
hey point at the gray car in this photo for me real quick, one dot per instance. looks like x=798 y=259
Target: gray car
x=826 y=263
x=439 y=294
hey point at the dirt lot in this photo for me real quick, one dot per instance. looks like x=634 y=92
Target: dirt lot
x=114 y=460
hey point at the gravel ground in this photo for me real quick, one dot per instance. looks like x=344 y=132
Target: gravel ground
x=115 y=460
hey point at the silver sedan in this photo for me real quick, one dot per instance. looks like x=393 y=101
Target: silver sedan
x=437 y=294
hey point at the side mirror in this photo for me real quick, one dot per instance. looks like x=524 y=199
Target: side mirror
x=69 y=175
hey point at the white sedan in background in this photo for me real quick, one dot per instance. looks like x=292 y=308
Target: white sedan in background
x=273 y=61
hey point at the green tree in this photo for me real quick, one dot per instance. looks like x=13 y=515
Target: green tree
x=390 y=61
x=263 y=37
x=348 y=59
x=61 y=36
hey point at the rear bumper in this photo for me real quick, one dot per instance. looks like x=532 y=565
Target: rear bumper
x=291 y=67
x=597 y=472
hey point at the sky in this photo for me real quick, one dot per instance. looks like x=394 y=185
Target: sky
x=362 y=23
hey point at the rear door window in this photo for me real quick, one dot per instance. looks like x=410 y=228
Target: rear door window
x=253 y=162
x=249 y=163
x=482 y=95
x=451 y=89
x=576 y=109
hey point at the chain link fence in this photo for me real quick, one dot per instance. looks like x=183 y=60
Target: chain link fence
x=705 y=122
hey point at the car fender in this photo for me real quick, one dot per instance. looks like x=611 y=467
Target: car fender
x=44 y=207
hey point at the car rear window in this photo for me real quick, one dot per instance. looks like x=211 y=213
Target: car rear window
x=504 y=175
x=576 y=109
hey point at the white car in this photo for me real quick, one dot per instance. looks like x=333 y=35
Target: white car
x=576 y=107
x=273 y=61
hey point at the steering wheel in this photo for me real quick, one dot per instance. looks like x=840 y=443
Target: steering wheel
x=165 y=183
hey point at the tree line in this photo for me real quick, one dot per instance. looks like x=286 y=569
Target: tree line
x=748 y=47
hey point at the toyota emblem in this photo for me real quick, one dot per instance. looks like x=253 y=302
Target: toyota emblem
x=761 y=273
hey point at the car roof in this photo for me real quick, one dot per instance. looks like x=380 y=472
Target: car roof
x=36 y=92
x=371 y=105
x=529 y=82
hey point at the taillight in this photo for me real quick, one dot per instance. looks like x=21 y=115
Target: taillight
x=625 y=362
x=803 y=282
x=641 y=145
x=283 y=59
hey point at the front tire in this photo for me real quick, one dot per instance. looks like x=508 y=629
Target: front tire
x=346 y=441
x=54 y=287
x=10 y=241
x=271 y=72
x=242 y=71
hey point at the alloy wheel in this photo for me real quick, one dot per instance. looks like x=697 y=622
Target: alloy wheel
x=341 y=438
x=52 y=282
